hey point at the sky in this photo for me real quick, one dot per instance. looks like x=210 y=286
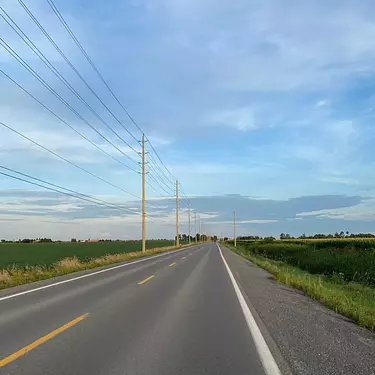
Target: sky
x=263 y=107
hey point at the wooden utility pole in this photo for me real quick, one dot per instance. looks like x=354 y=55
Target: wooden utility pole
x=189 y=222
x=234 y=228
x=143 y=196
x=177 y=239
x=195 y=226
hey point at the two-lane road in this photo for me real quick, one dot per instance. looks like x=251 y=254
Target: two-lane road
x=173 y=314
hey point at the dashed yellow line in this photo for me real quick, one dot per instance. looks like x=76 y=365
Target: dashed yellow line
x=145 y=280
x=40 y=341
x=172 y=264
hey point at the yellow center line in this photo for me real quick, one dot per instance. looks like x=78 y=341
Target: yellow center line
x=145 y=280
x=172 y=264
x=40 y=341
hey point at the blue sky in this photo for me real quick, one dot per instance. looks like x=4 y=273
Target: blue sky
x=266 y=107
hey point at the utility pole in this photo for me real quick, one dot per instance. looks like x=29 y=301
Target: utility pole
x=195 y=226
x=189 y=222
x=143 y=196
x=200 y=229
x=234 y=228
x=177 y=239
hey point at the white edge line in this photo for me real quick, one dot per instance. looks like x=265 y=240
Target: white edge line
x=266 y=357
x=87 y=275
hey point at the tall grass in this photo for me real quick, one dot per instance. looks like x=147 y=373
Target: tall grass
x=354 y=300
x=14 y=275
x=353 y=260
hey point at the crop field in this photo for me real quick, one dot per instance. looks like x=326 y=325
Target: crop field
x=45 y=254
x=340 y=273
x=348 y=260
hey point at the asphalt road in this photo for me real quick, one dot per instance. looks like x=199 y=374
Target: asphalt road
x=197 y=311
x=174 y=314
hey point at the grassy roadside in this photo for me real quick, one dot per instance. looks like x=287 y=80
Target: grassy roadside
x=13 y=276
x=46 y=254
x=353 y=300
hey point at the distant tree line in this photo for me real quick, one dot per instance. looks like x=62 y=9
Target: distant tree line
x=342 y=234
x=287 y=236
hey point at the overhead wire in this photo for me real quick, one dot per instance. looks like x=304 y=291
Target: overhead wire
x=77 y=42
x=47 y=86
x=86 y=196
x=157 y=170
x=157 y=179
x=88 y=58
x=56 y=72
x=31 y=15
x=66 y=123
x=67 y=160
x=72 y=193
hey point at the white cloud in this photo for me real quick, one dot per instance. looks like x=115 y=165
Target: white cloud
x=241 y=119
x=364 y=211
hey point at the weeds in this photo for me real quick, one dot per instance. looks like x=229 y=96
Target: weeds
x=353 y=260
x=13 y=275
x=354 y=300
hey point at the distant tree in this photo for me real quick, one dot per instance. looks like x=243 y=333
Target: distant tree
x=198 y=236
x=347 y=234
x=342 y=234
x=73 y=240
x=282 y=236
x=336 y=235
x=44 y=240
x=302 y=236
x=215 y=238
x=2 y=241
x=269 y=239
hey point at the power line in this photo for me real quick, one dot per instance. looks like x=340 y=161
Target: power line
x=75 y=39
x=46 y=85
x=77 y=42
x=71 y=192
x=66 y=123
x=173 y=181
x=56 y=72
x=153 y=178
x=53 y=189
x=66 y=160
x=160 y=182
x=72 y=65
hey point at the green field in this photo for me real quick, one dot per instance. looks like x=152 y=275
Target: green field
x=337 y=272
x=351 y=260
x=45 y=254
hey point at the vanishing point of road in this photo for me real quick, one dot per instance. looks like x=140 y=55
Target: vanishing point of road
x=185 y=312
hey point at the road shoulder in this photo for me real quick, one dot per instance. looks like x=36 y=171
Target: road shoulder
x=303 y=335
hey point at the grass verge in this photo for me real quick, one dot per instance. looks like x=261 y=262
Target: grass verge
x=353 y=300
x=13 y=276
